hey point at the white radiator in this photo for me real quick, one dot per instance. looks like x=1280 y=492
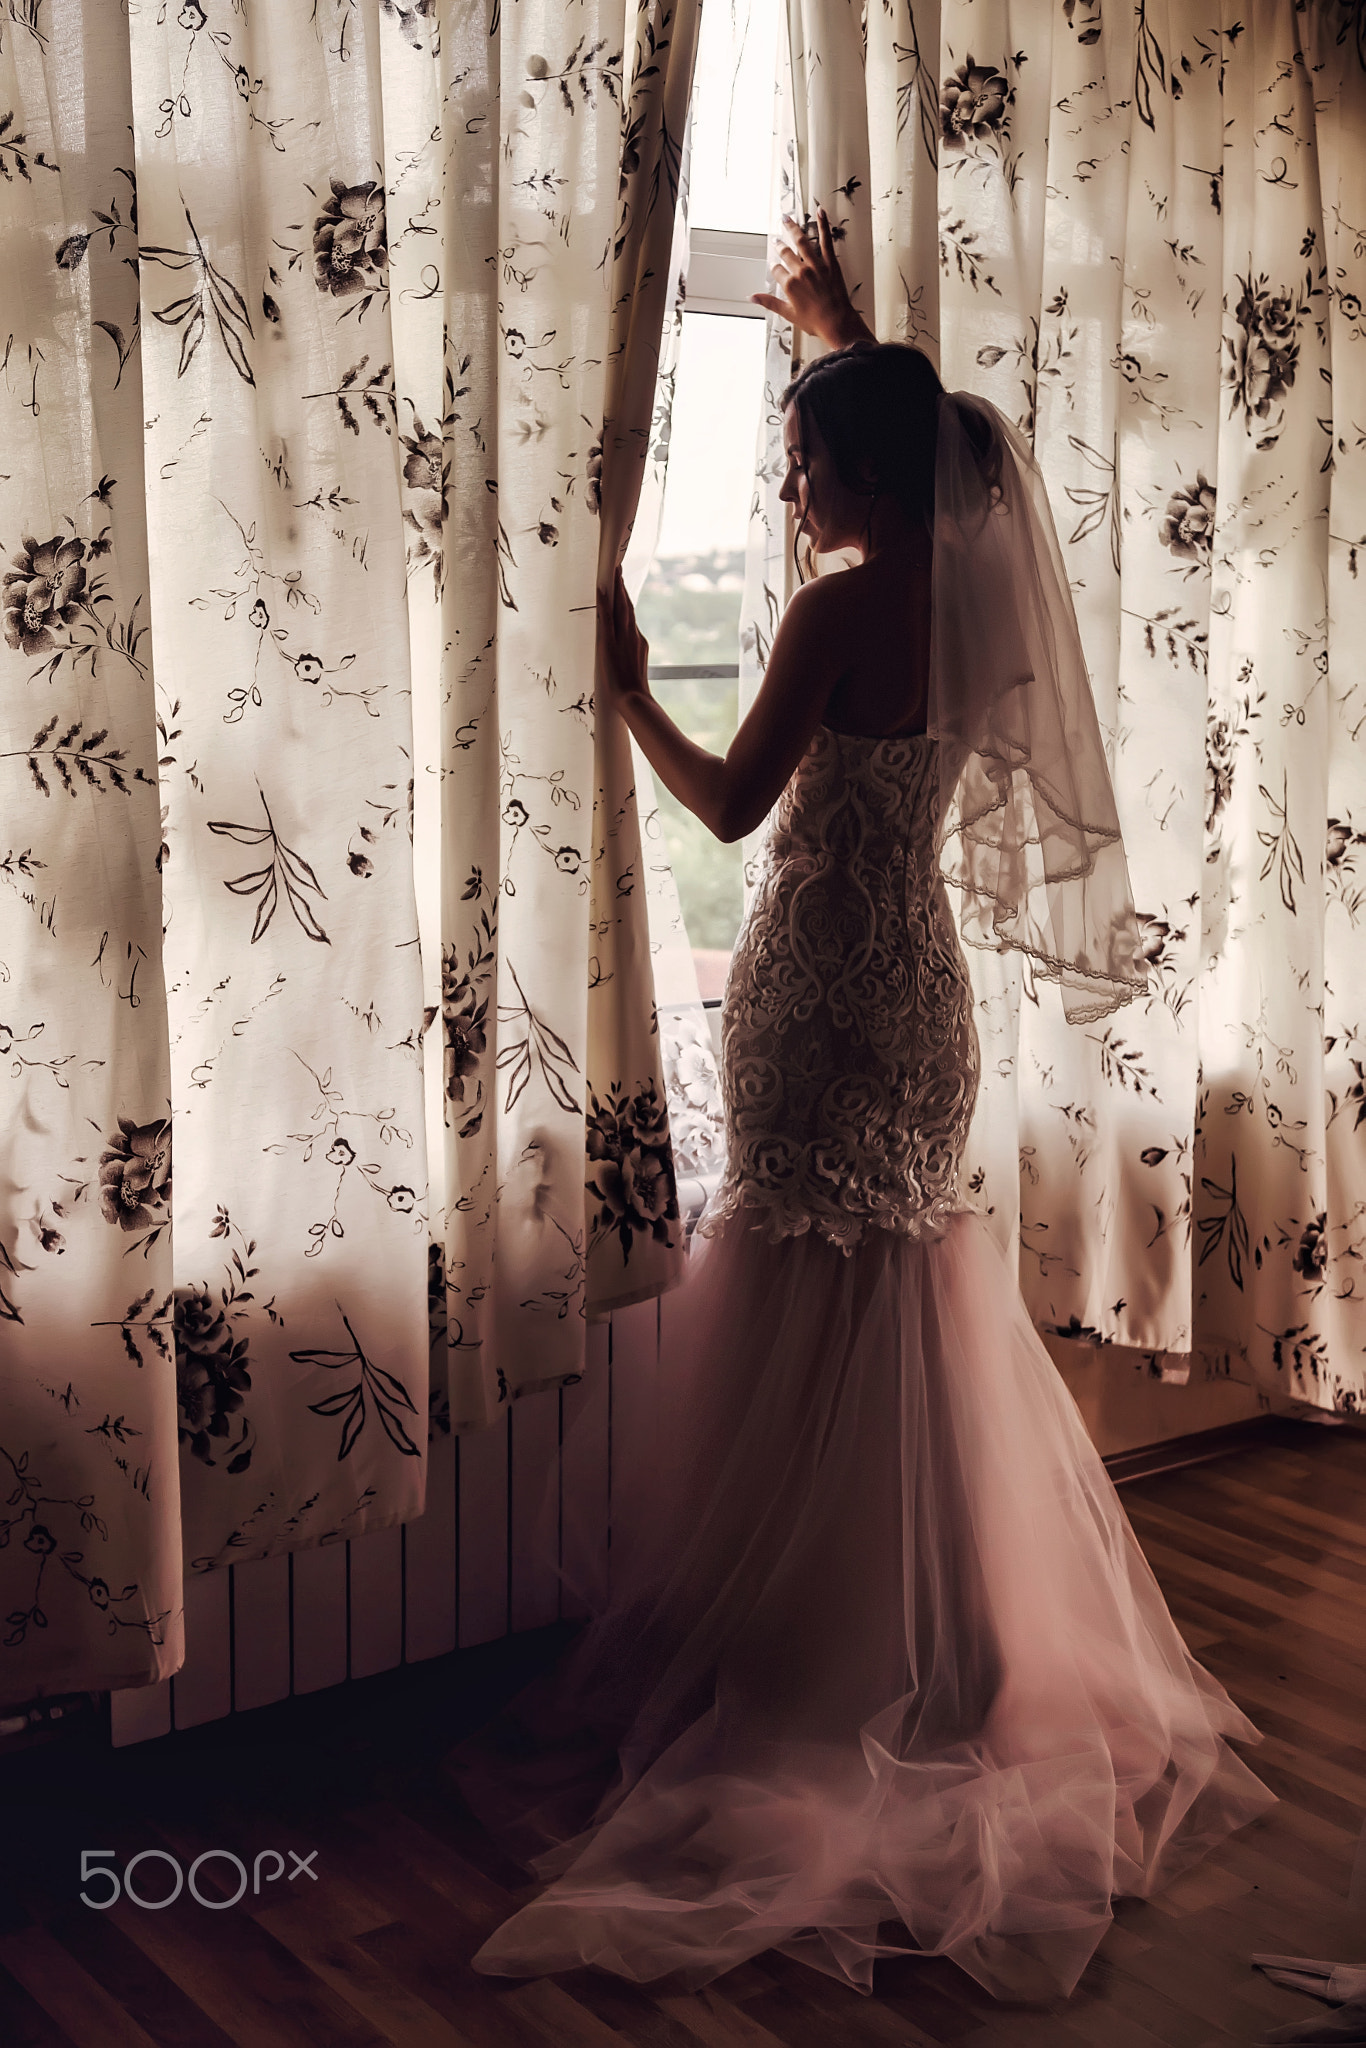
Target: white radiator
x=466 y=1572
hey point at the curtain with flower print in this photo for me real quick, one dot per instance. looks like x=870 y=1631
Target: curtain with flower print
x=90 y=1570
x=280 y=636
x=1151 y=235
x=547 y=161
x=305 y=359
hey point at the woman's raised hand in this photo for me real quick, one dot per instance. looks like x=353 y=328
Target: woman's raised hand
x=623 y=653
x=811 y=291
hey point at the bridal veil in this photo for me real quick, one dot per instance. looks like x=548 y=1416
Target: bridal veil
x=1029 y=834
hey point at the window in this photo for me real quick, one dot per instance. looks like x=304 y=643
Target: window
x=689 y=606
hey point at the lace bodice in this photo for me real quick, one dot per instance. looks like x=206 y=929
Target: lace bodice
x=850 y=1059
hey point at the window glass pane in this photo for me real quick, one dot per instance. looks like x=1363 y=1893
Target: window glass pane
x=709 y=875
x=718 y=396
x=732 y=122
x=690 y=604
x=689 y=607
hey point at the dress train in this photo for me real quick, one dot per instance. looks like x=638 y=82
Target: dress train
x=884 y=1670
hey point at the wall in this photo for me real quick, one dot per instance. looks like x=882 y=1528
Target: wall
x=1126 y=1401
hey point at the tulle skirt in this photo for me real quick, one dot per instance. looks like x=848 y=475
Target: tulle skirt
x=884 y=1670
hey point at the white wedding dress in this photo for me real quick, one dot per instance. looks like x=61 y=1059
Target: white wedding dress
x=886 y=1670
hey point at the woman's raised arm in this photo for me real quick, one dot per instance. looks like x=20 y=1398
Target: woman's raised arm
x=810 y=288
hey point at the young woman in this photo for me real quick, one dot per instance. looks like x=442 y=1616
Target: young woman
x=883 y=1669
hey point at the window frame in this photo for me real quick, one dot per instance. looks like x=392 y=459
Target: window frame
x=725 y=265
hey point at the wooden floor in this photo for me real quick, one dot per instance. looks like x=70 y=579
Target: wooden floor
x=1262 y=1555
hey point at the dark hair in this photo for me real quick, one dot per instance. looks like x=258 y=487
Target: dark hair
x=876 y=407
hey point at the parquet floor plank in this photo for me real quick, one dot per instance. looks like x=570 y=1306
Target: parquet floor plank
x=1281 y=1916
x=1104 y=2027
x=157 y=2004
x=710 y=2017
x=1226 y=1934
x=243 y=1981
x=444 y=1910
x=558 y=2017
x=393 y=2007
x=1316 y=1652
x=1302 y=1786
x=89 y=2013
x=1312 y=1703
x=388 y=1829
x=1328 y=1850
x=933 y=1996
x=441 y=1977
x=800 y=2018
x=1250 y=1558
x=1195 y=1891
x=1269 y=1530
x=1268 y=1924
x=1262 y=1555
x=872 y=2024
x=1112 y=1974
x=1198 y=1638
x=1258 y=1501
x=1330 y=1768
x=630 y=2010
x=1206 y=1984
x=247 y=1983
x=23 y=2023
x=340 y=1960
x=1236 y=1594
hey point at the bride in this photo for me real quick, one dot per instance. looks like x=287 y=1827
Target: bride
x=883 y=1670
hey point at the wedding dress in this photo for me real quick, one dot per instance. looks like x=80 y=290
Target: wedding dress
x=883 y=1669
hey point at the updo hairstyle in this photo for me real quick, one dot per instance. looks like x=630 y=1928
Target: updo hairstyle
x=875 y=405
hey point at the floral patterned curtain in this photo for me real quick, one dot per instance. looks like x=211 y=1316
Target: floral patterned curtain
x=307 y=344
x=89 y=1499
x=556 y=186
x=1151 y=234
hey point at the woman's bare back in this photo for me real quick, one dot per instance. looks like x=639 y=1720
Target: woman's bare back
x=882 y=690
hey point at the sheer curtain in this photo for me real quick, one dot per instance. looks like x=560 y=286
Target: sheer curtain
x=691 y=1077
x=1151 y=226
x=320 y=371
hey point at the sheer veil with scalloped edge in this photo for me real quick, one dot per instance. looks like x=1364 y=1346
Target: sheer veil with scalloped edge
x=1030 y=838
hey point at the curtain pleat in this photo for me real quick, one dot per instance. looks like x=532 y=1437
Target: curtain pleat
x=279 y=622
x=559 y=183
x=90 y=1560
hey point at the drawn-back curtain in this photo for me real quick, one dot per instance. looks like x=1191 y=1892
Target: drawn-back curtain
x=307 y=337
x=1151 y=237
x=538 y=178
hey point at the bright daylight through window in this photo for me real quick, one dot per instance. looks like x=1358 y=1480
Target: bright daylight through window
x=689 y=607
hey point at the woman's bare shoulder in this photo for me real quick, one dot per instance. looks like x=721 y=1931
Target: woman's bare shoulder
x=815 y=610
x=829 y=609
x=825 y=598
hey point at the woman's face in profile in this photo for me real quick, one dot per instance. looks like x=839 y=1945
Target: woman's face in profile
x=831 y=515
